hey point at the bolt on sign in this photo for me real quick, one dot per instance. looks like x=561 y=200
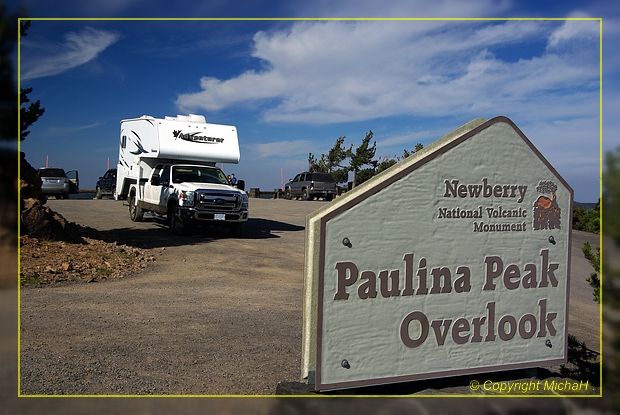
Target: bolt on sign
x=455 y=261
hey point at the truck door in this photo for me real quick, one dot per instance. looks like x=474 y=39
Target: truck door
x=74 y=181
x=157 y=189
x=152 y=188
x=295 y=187
x=164 y=191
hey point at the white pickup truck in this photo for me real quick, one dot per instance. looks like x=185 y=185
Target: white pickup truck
x=168 y=167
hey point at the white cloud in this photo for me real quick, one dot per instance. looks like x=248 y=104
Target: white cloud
x=282 y=149
x=574 y=30
x=77 y=49
x=329 y=72
x=63 y=131
x=393 y=145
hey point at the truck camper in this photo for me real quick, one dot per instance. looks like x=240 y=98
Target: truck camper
x=168 y=167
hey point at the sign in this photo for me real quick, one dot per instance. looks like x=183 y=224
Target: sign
x=454 y=261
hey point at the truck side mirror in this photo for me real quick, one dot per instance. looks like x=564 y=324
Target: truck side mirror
x=155 y=180
x=241 y=184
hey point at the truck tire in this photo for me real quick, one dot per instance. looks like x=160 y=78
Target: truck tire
x=287 y=194
x=98 y=193
x=135 y=211
x=304 y=194
x=177 y=227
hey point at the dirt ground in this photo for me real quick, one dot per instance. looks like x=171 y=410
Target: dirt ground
x=48 y=262
x=213 y=314
x=202 y=314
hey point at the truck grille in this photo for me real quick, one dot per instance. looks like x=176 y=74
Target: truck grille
x=217 y=201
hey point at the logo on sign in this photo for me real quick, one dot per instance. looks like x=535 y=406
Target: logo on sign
x=546 y=211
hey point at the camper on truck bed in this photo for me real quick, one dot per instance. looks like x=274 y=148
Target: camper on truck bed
x=168 y=167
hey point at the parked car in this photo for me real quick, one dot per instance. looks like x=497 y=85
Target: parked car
x=54 y=182
x=307 y=186
x=106 y=184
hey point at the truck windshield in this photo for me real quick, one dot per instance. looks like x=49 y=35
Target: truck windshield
x=198 y=174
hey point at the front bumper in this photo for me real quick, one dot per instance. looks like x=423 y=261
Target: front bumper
x=190 y=213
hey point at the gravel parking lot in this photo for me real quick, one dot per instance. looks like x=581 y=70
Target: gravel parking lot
x=211 y=315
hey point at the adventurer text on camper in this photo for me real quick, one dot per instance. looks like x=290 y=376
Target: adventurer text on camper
x=194 y=137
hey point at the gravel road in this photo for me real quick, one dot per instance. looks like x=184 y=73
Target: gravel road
x=212 y=315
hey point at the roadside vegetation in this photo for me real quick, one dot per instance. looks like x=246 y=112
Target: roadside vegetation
x=605 y=281
x=361 y=162
x=610 y=277
x=587 y=219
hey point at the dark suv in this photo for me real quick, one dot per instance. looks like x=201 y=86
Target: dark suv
x=106 y=184
x=307 y=186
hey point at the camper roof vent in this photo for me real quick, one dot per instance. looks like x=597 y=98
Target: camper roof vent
x=190 y=118
x=197 y=118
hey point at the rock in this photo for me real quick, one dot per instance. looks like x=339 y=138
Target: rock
x=30 y=182
x=40 y=221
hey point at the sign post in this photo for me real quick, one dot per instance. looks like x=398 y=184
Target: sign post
x=454 y=261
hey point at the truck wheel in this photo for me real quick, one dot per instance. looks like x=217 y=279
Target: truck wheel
x=287 y=195
x=304 y=194
x=135 y=211
x=236 y=230
x=98 y=193
x=176 y=223
x=329 y=198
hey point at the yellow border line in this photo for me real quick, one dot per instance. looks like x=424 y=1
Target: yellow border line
x=19 y=203
x=295 y=19
x=600 y=231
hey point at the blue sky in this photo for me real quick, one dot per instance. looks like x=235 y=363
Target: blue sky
x=294 y=87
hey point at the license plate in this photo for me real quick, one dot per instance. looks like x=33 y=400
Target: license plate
x=219 y=216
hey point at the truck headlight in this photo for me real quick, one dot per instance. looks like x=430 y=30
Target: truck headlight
x=186 y=198
x=245 y=201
